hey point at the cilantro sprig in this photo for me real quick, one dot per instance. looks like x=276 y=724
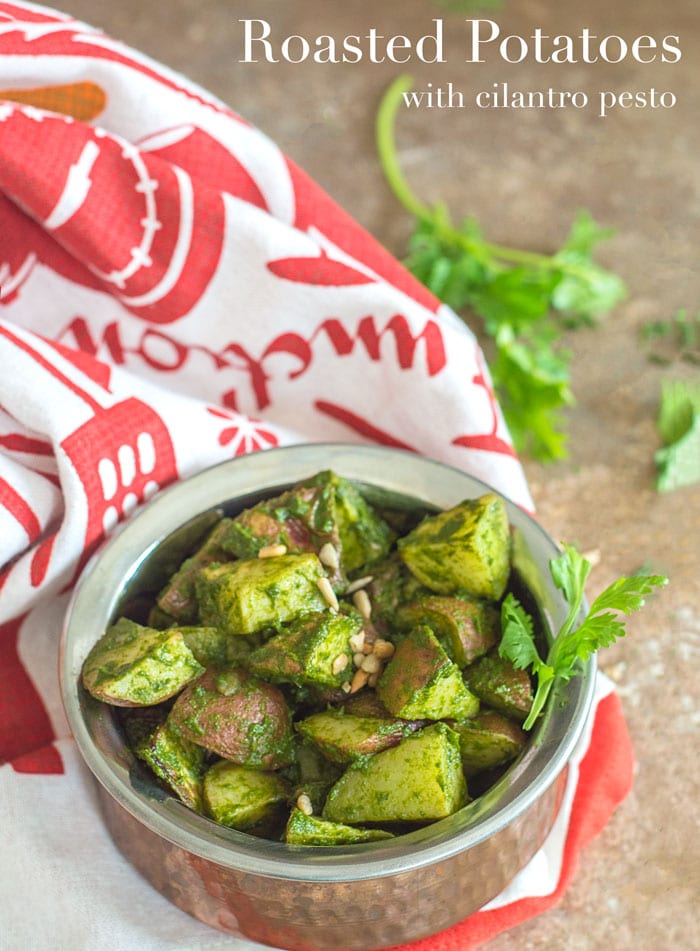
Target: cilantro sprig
x=601 y=627
x=526 y=300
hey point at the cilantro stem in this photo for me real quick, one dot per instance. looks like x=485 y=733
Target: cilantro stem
x=545 y=680
x=386 y=147
x=388 y=157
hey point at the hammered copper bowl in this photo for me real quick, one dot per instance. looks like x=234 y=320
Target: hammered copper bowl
x=305 y=898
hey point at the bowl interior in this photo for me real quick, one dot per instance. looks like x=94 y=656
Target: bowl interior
x=145 y=551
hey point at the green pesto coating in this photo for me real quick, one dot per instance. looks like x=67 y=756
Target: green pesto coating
x=364 y=536
x=342 y=737
x=420 y=681
x=236 y=716
x=487 y=740
x=175 y=761
x=208 y=644
x=391 y=586
x=465 y=548
x=323 y=509
x=498 y=684
x=466 y=627
x=254 y=666
x=312 y=773
x=243 y=597
x=178 y=598
x=213 y=647
x=313 y=830
x=306 y=651
x=420 y=780
x=133 y=665
x=242 y=798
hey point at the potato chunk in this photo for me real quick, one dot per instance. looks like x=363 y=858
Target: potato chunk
x=488 y=740
x=133 y=665
x=174 y=760
x=500 y=685
x=364 y=536
x=208 y=644
x=312 y=830
x=464 y=548
x=243 y=798
x=242 y=597
x=419 y=780
x=326 y=509
x=467 y=628
x=313 y=649
x=236 y=716
x=342 y=737
x=420 y=681
x=392 y=585
x=178 y=599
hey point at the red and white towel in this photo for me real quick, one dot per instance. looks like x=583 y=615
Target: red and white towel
x=175 y=292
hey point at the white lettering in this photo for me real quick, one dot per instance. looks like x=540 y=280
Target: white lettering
x=249 y=39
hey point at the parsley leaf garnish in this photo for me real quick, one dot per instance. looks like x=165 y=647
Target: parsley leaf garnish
x=601 y=627
x=525 y=300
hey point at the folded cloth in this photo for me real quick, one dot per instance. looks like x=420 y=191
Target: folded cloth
x=174 y=292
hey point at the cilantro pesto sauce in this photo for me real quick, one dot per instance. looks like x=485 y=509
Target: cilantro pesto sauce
x=321 y=670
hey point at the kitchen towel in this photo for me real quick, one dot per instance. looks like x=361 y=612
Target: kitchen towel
x=174 y=292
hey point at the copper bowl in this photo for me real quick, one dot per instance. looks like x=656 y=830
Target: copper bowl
x=304 y=898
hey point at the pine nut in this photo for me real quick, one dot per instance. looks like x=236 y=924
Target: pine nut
x=326 y=589
x=358 y=583
x=328 y=555
x=340 y=663
x=359 y=680
x=362 y=603
x=272 y=551
x=358 y=658
x=382 y=648
x=372 y=664
x=357 y=641
x=304 y=803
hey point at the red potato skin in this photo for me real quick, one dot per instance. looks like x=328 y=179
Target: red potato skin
x=474 y=627
x=415 y=662
x=236 y=716
x=367 y=704
x=501 y=686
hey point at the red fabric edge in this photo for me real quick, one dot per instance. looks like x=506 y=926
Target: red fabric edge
x=605 y=780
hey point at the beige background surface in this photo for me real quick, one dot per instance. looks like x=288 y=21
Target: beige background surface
x=524 y=174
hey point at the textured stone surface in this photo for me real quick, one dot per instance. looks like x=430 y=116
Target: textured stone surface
x=524 y=175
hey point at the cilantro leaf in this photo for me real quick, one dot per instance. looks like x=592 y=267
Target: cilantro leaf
x=569 y=572
x=678 y=461
x=601 y=627
x=525 y=300
x=626 y=594
x=600 y=631
x=518 y=646
x=517 y=638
